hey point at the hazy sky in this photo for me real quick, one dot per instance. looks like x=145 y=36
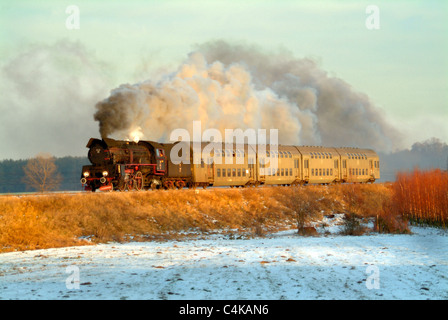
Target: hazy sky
x=52 y=76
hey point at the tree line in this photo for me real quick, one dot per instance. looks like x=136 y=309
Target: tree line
x=22 y=175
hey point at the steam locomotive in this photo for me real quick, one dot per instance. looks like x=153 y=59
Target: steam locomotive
x=126 y=165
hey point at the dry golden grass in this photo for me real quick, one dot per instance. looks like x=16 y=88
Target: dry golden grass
x=52 y=220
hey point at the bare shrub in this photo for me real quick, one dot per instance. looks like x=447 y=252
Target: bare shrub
x=422 y=196
x=303 y=205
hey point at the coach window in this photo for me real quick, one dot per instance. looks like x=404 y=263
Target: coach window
x=224 y=173
x=218 y=172
x=239 y=172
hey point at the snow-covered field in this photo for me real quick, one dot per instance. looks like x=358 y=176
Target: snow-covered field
x=280 y=266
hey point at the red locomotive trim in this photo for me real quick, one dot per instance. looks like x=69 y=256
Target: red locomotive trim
x=136 y=165
x=106 y=188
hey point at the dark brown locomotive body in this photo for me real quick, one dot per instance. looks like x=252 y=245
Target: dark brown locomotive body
x=123 y=165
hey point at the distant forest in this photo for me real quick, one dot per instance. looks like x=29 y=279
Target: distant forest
x=432 y=153
x=429 y=154
x=12 y=174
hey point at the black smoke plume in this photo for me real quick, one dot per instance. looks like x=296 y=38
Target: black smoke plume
x=239 y=86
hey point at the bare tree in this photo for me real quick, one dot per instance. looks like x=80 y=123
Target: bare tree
x=41 y=173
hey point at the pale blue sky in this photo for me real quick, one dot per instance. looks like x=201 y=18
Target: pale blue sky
x=402 y=67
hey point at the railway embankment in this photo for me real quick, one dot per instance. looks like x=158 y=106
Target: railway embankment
x=60 y=220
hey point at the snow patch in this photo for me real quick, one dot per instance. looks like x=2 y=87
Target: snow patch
x=281 y=266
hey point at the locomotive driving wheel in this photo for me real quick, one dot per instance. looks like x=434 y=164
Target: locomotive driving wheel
x=138 y=181
x=122 y=185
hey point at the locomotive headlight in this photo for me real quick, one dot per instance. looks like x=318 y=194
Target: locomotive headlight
x=86 y=174
x=105 y=173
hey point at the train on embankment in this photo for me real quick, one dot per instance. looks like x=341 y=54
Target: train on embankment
x=126 y=165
